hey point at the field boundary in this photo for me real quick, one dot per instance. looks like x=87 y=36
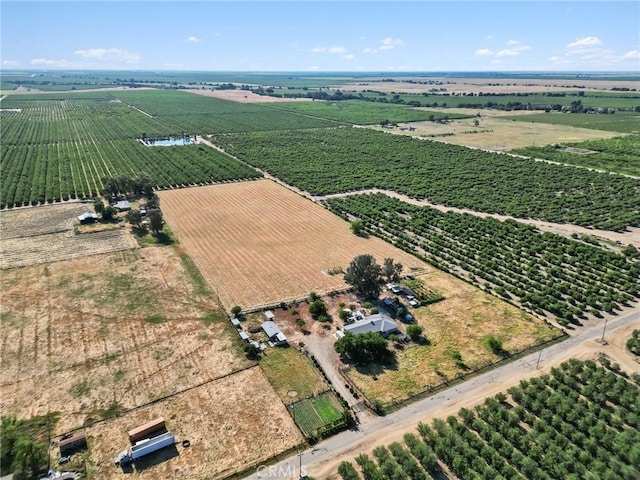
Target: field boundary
x=160 y=399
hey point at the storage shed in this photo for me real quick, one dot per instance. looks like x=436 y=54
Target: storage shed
x=70 y=445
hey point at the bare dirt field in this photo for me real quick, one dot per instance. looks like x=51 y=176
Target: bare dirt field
x=46 y=234
x=232 y=424
x=494 y=133
x=121 y=329
x=457 y=324
x=489 y=85
x=259 y=243
x=244 y=96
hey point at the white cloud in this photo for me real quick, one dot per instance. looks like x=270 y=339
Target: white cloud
x=333 y=50
x=631 y=55
x=584 y=42
x=11 y=63
x=349 y=56
x=386 y=44
x=390 y=43
x=193 y=39
x=514 y=49
x=314 y=68
x=109 y=54
x=508 y=52
x=50 y=63
x=484 y=52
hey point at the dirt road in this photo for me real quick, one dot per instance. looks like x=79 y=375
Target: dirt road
x=323 y=459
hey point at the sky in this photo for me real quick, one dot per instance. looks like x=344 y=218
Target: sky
x=338 y=36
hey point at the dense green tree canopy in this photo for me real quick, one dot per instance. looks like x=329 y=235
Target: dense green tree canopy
x=363 y=274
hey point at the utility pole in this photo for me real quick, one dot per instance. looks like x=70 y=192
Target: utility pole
x=604 y=330
x=538 y=362
x=300 y=465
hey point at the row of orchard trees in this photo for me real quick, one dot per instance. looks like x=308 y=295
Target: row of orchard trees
x=580 y=422
x=328 y=161
x=543 y=272
x=124 y=185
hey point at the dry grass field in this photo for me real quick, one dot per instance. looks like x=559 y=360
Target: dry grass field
x=457 y=324
x=125 y=328
x=259 y=243
x=46 y=234
x=495 y=133
x=103 y=333
x=232 y=423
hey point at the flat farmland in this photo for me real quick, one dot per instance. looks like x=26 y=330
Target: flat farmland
x=122 y=329
x=259 y=243
x=500 y=134
x=232 y=423
x=46 y=234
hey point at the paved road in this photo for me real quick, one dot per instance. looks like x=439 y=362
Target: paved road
x=315 y=461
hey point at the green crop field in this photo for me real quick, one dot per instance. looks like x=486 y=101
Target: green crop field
x=313 y=414
x=364 y=113
x=326 y=161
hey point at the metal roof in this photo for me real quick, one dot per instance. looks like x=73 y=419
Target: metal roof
x=373 y=323
x=271 y=329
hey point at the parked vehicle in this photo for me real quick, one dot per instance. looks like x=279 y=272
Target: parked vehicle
x=413 y=301
x=144 y=447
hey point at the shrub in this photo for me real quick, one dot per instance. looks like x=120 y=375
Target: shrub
x=236 y=310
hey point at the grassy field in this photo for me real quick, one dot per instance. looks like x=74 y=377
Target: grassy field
x=455 y=329
x=291 y=374
x=494 y=132
x=622 y=122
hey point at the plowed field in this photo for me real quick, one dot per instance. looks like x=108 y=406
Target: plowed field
x=259 y=243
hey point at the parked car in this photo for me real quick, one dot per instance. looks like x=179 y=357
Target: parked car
x=63 y=460
x=413 y=301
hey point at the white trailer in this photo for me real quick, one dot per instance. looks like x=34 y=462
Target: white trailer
x=144 y=447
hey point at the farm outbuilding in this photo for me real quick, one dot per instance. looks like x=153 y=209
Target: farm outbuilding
x=274 y=333
x=122 y=206
x=269 y=314
x=244 y=336
x=88 y=217
x=72 y=444
x=235 y=322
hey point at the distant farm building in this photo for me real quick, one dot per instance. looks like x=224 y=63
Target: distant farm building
x=88 y=217
x=379 y=323
x=71 y=445
x=276 y=337
x=123 y=206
